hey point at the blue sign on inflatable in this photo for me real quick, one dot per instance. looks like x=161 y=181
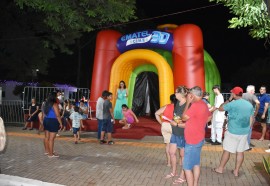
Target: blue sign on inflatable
x=145 y=39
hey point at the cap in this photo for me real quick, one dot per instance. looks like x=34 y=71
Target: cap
x=237 y=90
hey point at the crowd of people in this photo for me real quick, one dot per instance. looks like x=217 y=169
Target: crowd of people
x=183 y=124
x=54 y=116
x=240 y=111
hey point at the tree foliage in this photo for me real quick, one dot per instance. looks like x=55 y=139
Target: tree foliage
x=81 y=15
x=33 y=30
x=249 y=13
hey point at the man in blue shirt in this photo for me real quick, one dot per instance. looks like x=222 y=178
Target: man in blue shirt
x=262 y=113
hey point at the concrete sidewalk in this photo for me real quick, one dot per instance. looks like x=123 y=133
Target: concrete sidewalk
x=128 y=162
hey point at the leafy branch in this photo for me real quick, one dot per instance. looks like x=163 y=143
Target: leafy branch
x=249 y=13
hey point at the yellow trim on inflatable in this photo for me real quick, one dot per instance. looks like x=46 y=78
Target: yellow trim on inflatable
x=128 y=61
x=168 y=26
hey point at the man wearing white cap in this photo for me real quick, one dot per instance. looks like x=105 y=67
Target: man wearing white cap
x=240 y=119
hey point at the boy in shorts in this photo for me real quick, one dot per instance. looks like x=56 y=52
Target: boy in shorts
x=76 y=119
x=108 y=120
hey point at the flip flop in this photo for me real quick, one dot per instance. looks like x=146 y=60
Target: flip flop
x=214 y=170
x=171 y=175
x=179 y=181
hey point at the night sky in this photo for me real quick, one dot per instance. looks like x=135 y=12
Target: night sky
x=231 y=49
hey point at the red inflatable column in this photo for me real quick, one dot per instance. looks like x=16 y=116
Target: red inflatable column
x=188 y=60
x=105 y=54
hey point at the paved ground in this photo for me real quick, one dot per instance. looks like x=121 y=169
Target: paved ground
x=128 y=162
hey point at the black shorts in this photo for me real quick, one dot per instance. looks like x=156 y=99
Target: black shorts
x=259 y=118
x=51 y=124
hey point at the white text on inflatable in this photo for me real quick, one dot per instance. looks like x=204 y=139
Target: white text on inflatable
x=144 y=37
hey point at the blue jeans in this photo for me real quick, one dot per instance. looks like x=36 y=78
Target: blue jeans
x=100 y=125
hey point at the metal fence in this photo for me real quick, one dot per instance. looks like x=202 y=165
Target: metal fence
x=40 y=93
x=12 y=111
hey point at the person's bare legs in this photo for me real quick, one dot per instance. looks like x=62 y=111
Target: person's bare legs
x=75 y=137
x=25 y=125
x=31 y=124
x=263 y=131
x=196 y=174
x=124 y=122
x=167 y=147
x=180 y=158
x=102 y=135
x=182 y=173
x=109 y=135
x=172 y=152
x=79 y=134
x=189 y=177
x=68 y=124
x=224 y=159
x=46 y=141
x=51 y=142
x=238 y=162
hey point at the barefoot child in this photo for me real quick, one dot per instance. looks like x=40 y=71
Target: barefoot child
x=128 y=117
x=76 y=118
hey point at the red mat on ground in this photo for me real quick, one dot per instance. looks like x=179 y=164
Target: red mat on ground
x=150 y=127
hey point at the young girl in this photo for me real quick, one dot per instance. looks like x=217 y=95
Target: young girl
x=121 y=98
x=76 y=118
x=128 y=117
x=33 y=114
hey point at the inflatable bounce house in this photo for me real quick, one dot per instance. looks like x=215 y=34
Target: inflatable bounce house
x=152 y=63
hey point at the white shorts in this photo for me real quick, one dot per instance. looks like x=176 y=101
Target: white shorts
x=235 y=143
x=166 y=131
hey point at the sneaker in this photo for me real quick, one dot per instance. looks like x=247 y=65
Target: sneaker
x=249 y=149
x=216 y=143
x=57 y=135
x=267 y=150
x=102 y=141
x=110 y=143
x=24 y=128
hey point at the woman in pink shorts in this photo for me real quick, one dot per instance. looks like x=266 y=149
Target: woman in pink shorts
x=128 y=117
